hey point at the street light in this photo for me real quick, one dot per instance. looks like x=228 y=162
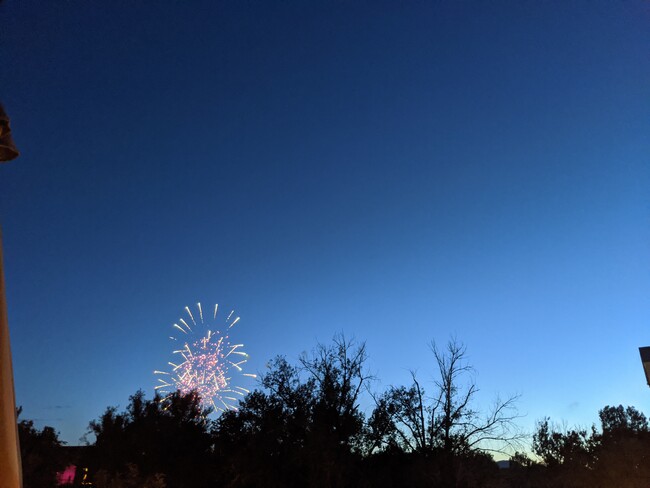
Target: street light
x=645 y=360
x=10 y=469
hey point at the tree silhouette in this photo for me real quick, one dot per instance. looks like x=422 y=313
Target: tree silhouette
x=448 y=420
x=616 y=454
x=622 y=448
x=566 y=454
x=261 y=443
x=154 y=443
x=304 y=429
x=41 y=455
x=335 y=438
x=445 y=426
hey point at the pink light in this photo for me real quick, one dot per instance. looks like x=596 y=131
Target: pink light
x=67 y=476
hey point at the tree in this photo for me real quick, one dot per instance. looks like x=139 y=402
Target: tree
x=262 y=443
x=41 y=454
x=336 y=435
x=153 y=443
x=339 y=375
x=455 y=422
x=448 y=420
x=617 y=454
x=617 y=421
x=445 y=425
x=622 y=448
x=402 y=420
x=556 y=447
x=304 y=429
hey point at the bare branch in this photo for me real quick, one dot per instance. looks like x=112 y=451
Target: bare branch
x=448 y=420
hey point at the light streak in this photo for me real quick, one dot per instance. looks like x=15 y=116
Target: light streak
x=190 y=314
x=180 y=328
x=185 y=324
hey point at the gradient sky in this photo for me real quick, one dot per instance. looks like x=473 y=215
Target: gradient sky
x=401 y=172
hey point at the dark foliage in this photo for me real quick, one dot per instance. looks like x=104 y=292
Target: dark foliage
x=41 y=455
x=153 y=443
x=304 y=428
x=615 y=455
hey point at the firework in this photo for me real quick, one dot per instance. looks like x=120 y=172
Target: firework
x=205 y=360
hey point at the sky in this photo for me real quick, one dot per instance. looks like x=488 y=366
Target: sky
x=399 y=172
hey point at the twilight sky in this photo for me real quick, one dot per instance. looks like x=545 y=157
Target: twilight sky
x=398 y=171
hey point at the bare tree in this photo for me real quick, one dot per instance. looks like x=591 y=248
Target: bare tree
x=447 y=421
x=459 y=424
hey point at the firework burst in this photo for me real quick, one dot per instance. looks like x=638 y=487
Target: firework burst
x=205 y=360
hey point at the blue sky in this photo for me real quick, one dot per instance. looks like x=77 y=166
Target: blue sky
x=400 y=172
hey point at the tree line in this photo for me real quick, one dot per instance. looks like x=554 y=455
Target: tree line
x=304 y=427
